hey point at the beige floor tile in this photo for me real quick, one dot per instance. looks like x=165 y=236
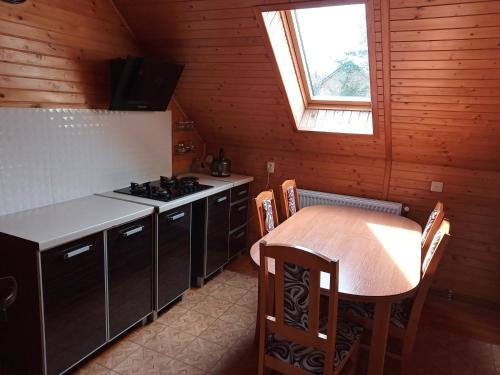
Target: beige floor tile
x=92 y=368
x=240 y=314
x=228 y=293
x=169 y=341
x=171 y=315
x=117 y=354
x=213 y=306
x=249 y=300
x=224 y=333
x=225 y=276
x=244 y=282
x=180 y=368
x=210 y=286
x=193 y=322
x=192 y=298
x=144 y=362
x=142 y=334
x=202 y=354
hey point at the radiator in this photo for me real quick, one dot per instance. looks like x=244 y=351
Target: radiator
x=313 y=198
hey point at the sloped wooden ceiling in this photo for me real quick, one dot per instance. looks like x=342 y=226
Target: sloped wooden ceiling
x=438 y=64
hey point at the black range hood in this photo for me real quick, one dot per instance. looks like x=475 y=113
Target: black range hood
x=141 y=84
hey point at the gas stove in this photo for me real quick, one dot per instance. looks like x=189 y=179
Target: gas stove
x=165 y=189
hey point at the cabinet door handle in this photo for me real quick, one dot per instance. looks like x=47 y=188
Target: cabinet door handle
x=241 y=208
x=243 y=192
x=239 y=235
x=221 y=199
x=77 y=251
x=176 y=216
x=132 y=230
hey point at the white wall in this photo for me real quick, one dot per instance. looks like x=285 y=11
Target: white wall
x=53 y=155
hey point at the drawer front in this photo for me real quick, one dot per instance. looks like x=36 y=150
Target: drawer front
x=174 y=254
x=217 y=231
x=74 y=301
x=239 y=192
x=237 y=241
x=130 y=273
x=239 y=214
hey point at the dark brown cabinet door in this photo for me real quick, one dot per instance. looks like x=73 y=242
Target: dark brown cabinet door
x=174 y=254
x=237 y=241
x=74 y=301
x=217 y=231
x=130 y=274
x=239 y=213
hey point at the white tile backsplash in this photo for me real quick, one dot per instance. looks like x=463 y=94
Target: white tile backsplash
x=53 y=155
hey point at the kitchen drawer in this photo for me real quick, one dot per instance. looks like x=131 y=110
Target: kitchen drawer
x=74 y=301
x=239 y=214
x=130 y=274
x=239 y=192
x=174 y=254
x=237 y=241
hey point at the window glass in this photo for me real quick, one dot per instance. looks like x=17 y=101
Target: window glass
x=334 y=48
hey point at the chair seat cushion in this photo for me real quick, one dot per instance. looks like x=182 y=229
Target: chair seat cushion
x=400 y=311
x=309 y=358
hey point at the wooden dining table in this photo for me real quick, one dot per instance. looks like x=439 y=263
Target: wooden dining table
x=378 y=253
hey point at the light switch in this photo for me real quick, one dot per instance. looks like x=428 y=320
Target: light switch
x=437 y=186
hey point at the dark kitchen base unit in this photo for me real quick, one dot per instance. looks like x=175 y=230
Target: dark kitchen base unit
x=173 y=255
x=76 y=297
x=219 y=231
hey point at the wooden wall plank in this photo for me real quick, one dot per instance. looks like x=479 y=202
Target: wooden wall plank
x=56 y=54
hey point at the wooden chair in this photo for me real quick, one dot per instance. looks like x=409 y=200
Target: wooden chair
x=297 y=339
x=289 y=198
x=433 y=223
x=405 y=315
x=266 y=198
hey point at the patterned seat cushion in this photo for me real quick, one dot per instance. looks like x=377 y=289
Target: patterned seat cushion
x=400 y=311
x=309 y=358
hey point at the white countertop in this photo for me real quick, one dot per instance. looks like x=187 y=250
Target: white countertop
x=60 y=223
x=235 y=179
x=218 y=185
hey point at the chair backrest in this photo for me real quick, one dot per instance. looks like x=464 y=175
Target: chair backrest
x=289 y=198
x=429 y=267
x=296 y=300
x=430 y=229
x=266 y=212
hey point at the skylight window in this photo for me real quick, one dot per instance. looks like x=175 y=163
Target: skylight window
x=334 y=52
x=326 y=59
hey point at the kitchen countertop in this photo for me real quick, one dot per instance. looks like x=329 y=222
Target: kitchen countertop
x=235 y=179
x=59 y=223
x=218 y=184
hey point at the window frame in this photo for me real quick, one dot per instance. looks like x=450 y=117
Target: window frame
x=298 y=59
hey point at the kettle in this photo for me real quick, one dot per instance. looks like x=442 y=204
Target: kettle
x=221 y=167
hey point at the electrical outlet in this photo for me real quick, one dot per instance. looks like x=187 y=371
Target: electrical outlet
x=270 y=167
x=437 y=186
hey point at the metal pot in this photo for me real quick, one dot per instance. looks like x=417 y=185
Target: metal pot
x=221 y=167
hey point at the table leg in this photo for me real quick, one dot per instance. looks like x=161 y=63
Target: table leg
x=378 y=343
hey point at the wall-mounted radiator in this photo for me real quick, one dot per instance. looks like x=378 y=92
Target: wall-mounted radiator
x=312 y=198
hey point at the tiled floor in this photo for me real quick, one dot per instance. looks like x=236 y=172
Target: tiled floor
x=211 y=332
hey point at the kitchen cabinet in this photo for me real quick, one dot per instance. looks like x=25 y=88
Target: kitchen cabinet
x=73 y=282
x=217 y=231
x=238 y=219
x=130 y=274
x=174 y=254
